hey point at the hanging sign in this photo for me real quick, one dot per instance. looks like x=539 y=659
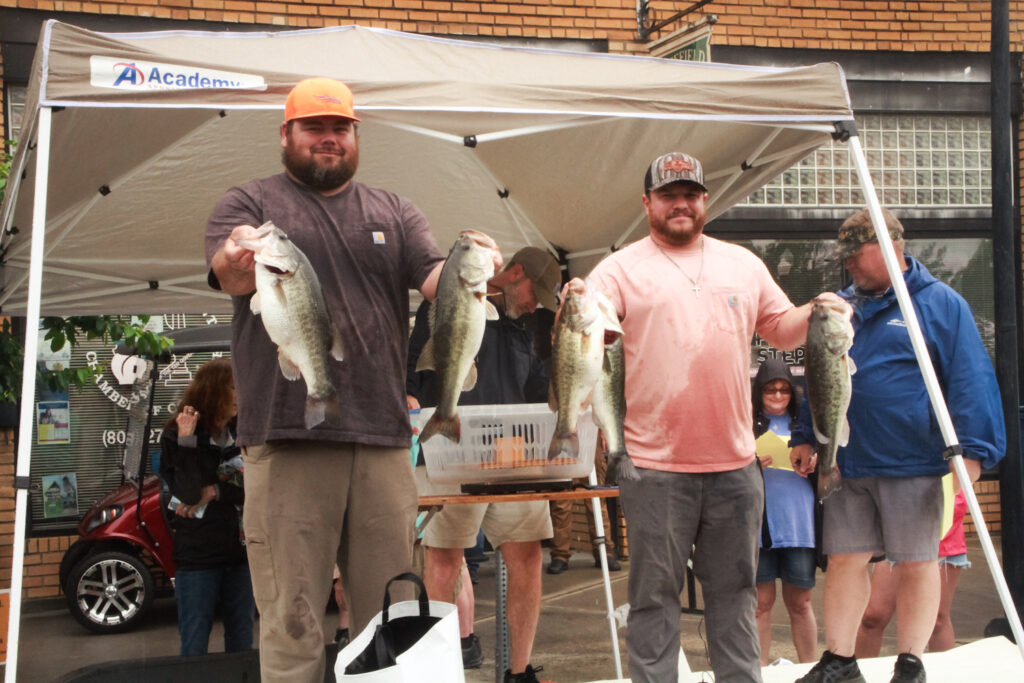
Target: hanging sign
x=692 y=43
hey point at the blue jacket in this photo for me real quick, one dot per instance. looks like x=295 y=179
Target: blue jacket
x=893 y=429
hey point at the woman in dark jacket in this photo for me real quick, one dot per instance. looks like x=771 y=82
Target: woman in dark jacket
x=202 y=466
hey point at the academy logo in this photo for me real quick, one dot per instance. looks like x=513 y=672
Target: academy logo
x=121 y=74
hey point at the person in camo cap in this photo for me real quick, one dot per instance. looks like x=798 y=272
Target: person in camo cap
x=890 y=501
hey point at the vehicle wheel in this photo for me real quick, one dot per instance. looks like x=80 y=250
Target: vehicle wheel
x=109 y=592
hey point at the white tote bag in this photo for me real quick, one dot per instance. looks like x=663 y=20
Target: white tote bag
x=408 y=642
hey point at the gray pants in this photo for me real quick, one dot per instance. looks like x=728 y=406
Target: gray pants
x=719 y=516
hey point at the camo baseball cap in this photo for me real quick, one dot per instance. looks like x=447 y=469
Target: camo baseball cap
x=319 y=97
x=671 y=168
x=857 y=230
x=544 y=273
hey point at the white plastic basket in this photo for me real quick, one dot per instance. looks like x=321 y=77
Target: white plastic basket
x=505 y=443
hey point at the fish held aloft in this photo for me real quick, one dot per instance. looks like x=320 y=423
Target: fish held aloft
x=458 y=317
x=291 y=304
x=829 y=371
x=609 y=406
x=577 y=358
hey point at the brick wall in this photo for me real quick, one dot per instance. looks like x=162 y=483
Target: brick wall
x=42 y=563
x=820 y=24
x=6 y=505
x=988 y=499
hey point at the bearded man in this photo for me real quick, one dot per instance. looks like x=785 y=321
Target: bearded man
x=341 y=492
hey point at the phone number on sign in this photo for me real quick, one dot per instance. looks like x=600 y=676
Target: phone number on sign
x=118 y=437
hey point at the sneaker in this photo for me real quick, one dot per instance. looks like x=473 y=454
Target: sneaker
x=829 y=669
x=613 y=564
x=472 y=655
x=908 y=669
x=528 y=676
x=557 y=566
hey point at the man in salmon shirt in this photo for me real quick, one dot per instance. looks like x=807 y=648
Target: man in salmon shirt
x=689 y=306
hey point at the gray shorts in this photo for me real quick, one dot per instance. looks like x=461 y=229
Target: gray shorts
x=455 y=526
x=899 y=517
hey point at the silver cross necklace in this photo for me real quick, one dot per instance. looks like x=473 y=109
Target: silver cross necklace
x=695 y=281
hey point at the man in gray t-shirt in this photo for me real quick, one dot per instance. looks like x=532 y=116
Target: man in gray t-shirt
x=343 y=490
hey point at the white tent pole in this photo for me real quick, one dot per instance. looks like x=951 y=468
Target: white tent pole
x=425 y=132
x=21 y=159
x=590 y=252
x=749 y=162
x=496 y=135
x=761 y=161
x=595 y=504
x=170 y=285
x=530 y=130
x=28 y=390
x=517 y=214
x=128 y=284
x=932 y=384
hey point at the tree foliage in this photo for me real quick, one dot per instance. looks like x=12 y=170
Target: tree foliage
x=61 y=331
x=5 y=166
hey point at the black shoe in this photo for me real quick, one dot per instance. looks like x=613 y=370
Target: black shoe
x=528 y=676
x=341 y=637
x=908 y=669
x=472 y=655
x=613 y=564
x=557 y=566
x=830 y=669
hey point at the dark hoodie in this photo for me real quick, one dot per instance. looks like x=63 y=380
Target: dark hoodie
x=771 y=369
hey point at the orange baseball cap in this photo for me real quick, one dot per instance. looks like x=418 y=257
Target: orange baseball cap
x=319 y=97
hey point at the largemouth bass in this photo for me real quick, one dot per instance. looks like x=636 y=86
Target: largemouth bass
x=829 y=369
x=577 y=357
x=458 y=317
x=291 y=304
x=609 y=406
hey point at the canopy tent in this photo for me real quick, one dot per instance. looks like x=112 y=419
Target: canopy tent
x=531 y=146
x=129 y=139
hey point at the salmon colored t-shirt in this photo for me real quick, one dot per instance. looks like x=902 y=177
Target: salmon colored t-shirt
x=688 y=403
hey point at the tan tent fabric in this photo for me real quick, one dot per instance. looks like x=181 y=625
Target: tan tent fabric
x=567 y=136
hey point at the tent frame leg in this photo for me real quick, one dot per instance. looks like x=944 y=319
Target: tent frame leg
x=602 y=553
x=28 y=388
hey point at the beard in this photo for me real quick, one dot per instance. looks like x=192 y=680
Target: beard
x=675 y=236
x=513 y=299
x=318 y=175
x=511 y=309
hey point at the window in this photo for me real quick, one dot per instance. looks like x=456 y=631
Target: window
x=804 y=269
x=915 y=161
x=14 y=111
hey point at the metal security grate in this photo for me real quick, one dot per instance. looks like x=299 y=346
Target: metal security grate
x=915 y=161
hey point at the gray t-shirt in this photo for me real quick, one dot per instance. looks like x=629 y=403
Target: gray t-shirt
x=368 y=248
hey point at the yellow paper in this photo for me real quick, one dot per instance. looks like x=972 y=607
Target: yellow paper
x=775 y=446
x=947 y=504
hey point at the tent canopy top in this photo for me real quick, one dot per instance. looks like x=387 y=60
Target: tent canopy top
x=532 y=146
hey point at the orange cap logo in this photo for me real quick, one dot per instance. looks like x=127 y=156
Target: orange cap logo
x=678 y=165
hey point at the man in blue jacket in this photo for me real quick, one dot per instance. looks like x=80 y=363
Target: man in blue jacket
x=890 y=502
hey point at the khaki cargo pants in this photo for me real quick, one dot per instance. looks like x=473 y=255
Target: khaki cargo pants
x=309 y=505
